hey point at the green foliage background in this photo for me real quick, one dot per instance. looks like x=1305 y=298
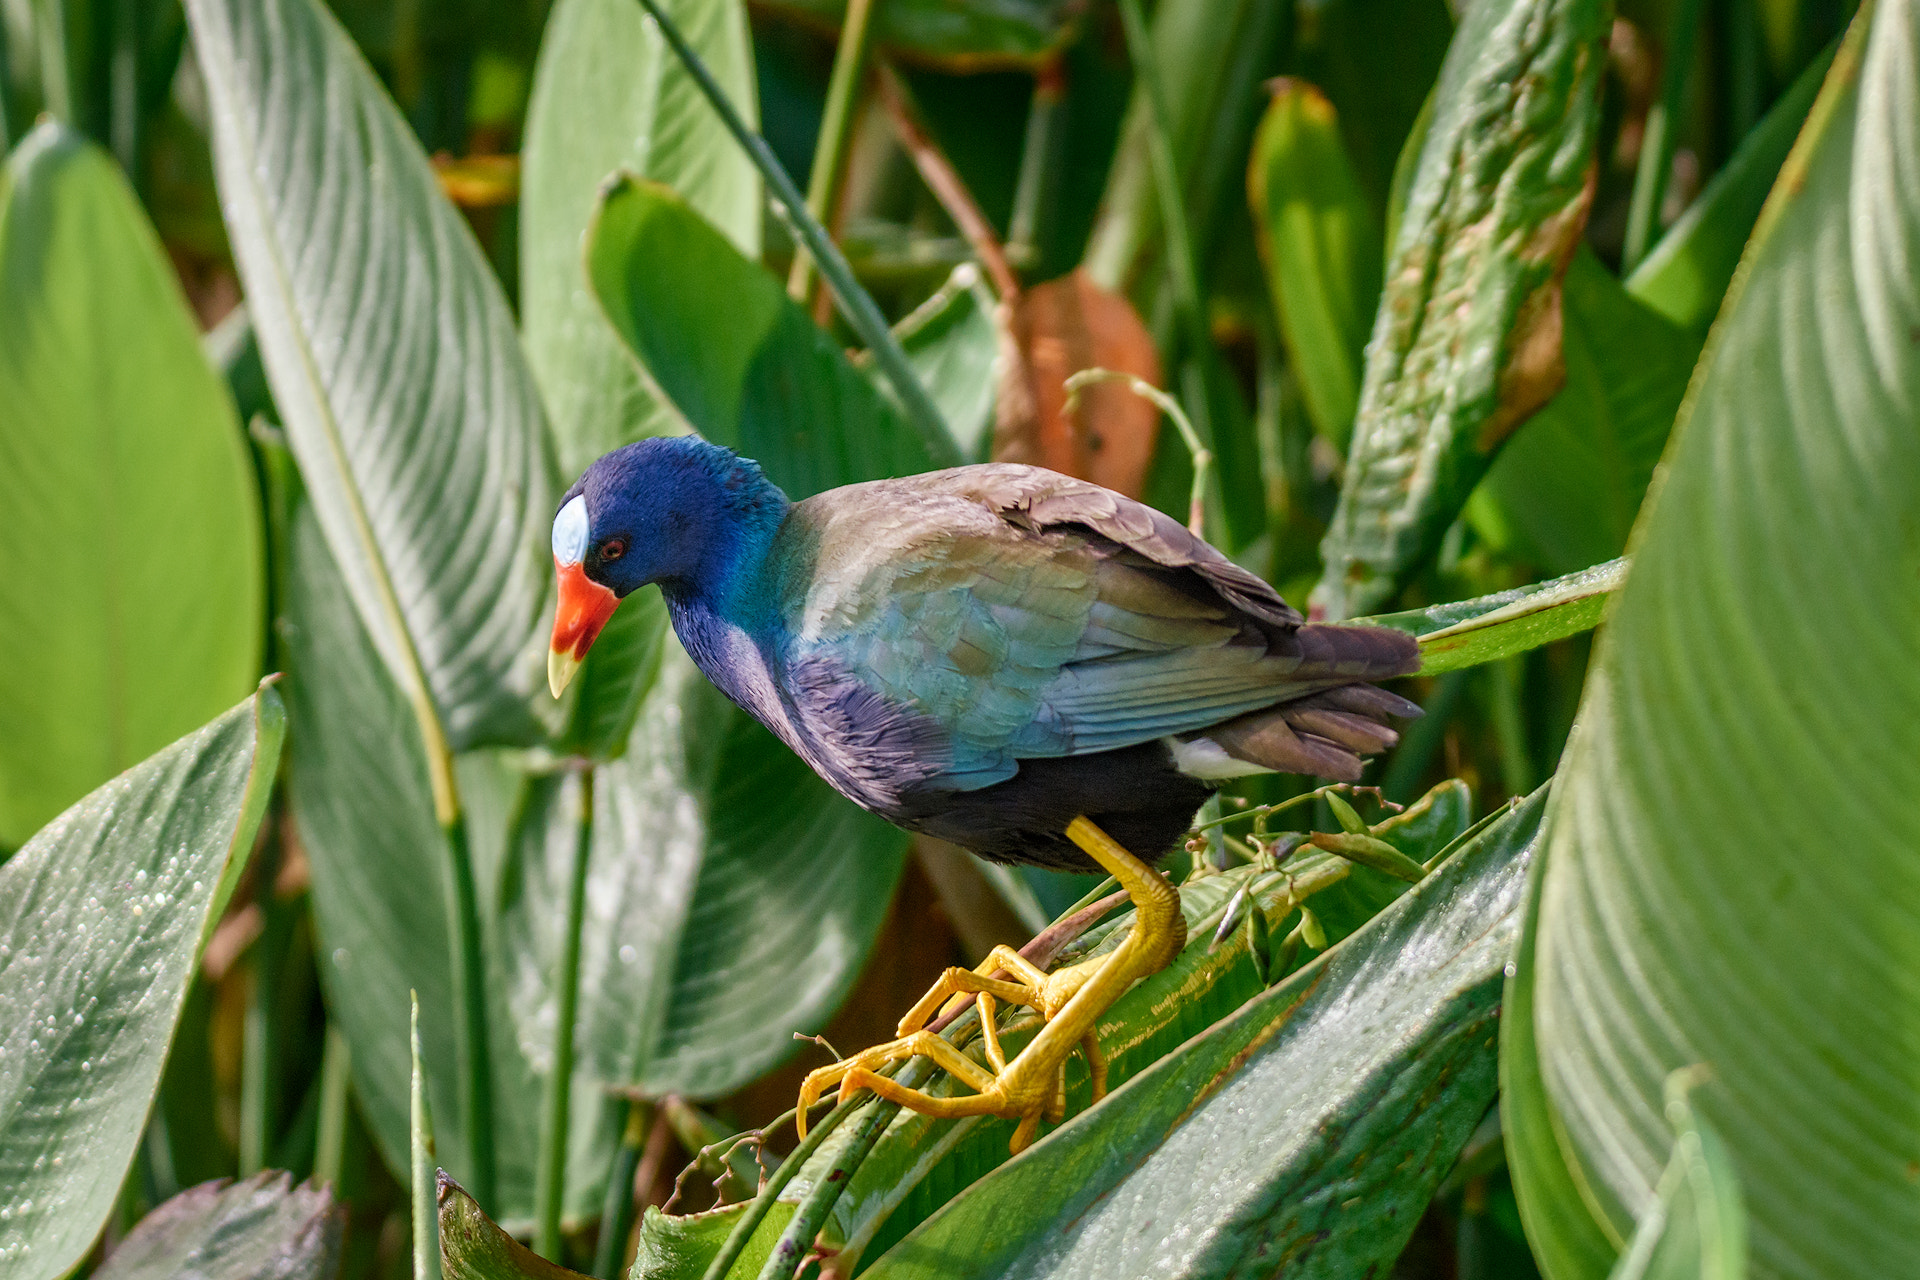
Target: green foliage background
x=1494 y=323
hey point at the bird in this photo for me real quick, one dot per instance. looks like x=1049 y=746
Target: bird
x=1033 y=667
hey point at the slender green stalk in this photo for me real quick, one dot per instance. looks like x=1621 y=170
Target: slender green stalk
x=855 y=303
x=56 y=68
x=776 y=1183
x=550 y=1192
x=797 y=1239
x=470 y=999
x=1202 y=456
x=616 y=1213
x=330 y=1141
x=1656 y=145
x=1033 y=189
x=425 y=1200
x=1509 y=723
x=836 y=126
x=1421 y=742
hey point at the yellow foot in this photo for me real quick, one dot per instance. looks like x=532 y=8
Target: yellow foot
x=1070 y=1002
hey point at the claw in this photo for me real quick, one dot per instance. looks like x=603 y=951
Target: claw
x=1069 y=1003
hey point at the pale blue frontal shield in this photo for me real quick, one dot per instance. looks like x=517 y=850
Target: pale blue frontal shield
x=570 y=532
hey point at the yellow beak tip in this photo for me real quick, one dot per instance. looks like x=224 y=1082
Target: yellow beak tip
x=561 y=668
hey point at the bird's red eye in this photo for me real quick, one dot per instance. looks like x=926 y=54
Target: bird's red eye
x=613 y=548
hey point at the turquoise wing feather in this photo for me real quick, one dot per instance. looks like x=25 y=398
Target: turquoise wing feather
x=1032 y=615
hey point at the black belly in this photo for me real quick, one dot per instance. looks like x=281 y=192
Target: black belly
x=1134 y=794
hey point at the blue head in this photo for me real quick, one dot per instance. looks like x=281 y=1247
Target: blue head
x=676 y=511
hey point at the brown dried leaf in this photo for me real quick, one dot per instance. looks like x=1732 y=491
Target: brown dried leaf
x=1054 y=331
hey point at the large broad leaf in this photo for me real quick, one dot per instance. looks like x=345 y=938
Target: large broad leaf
x=1358 y=1078
x=718 y=859
x=1732 y=873
x=609 y=96
x=131 y=546
x=393 y=360
x=919 y=1164
x=364 y=809
x=745 y=366
x=264 y=1228
x=102 y=916
x=1466 y=344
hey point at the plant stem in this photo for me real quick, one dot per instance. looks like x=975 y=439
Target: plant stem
x=1202 y=456
x=757 y=1208
x=336 y=1074
x=836 y=126
x=470 y=1000
x=797 y=1239
x=616 y=1213
x=1033 y=189
x=425 y=1200
x=855 y=304
x=1656 y=146
x=551 y=1190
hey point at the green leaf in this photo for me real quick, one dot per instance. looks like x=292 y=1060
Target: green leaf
x=1572 y=479
x=1568 y=1242
x=264 y=1228
x=718 y=858
x=964 y=35
x=919 y=1164
x=393 y=361
x=743 y=364
x=102 y=915
x=682 y=1248
x=1687 y=274
x=952 y=343
x=473 y=1248
x=609 y=96
x=363 y=806
x=1395 y=1027
x=1697 y=1227
x=1466 y=342
x=1321 y=247
x=131 y=547
x=1731 y=870
x=1467 y=633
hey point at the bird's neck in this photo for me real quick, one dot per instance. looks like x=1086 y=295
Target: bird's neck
x=725 y=615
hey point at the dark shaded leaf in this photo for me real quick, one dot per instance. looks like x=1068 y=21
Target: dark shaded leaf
x=264 y=1228
x=961 y=35
x=473 y=1248
x=743 y=364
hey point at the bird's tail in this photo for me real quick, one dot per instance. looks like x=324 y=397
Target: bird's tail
x=1328 y=732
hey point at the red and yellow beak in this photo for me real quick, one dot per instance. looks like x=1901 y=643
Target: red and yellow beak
x=585 y=606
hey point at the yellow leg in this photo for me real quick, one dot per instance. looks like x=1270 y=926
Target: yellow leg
x=1069 y=1001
